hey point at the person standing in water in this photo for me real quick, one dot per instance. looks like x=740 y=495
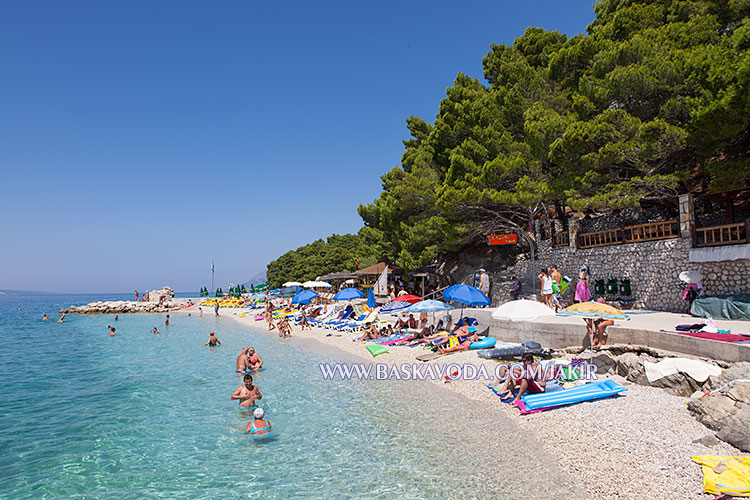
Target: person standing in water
x=111 y=331
x=200 y=310
x=248 y=393
x=254 y=360
x=212 y=341
x=216 y=308
x=259 y=427
x=166 y=321
x=62 y=318
x=243 y=364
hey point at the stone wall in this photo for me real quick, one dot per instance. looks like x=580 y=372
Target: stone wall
x=652 y=267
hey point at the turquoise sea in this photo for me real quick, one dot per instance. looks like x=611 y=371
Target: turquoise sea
x=88 y=416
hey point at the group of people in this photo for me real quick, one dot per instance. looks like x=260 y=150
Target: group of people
x=554 y=287
x=144 y=297
x=248 y=393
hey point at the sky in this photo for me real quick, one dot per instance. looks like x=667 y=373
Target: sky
x=141 y=140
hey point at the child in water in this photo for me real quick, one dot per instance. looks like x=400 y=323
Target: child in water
x=259 y=428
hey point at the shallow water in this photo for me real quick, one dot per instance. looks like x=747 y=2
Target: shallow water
x=85 y=415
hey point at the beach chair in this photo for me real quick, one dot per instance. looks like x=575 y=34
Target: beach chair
x=343 y=316
x=371 y=317
x=344 y=325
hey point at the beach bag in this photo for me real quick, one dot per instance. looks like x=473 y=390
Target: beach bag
x=555 y=287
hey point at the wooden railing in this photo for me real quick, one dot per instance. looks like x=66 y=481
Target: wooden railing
x=727 y=234
x=651 y=231
x=600 y=238
x=560 y=239
x=630 y=234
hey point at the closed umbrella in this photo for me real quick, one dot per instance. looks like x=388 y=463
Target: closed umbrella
x=522 y=310
x=349 y=294
x=371 y=299
x=304 y=297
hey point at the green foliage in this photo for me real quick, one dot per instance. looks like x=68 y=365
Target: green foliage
x=336 y=253
x=657 y=92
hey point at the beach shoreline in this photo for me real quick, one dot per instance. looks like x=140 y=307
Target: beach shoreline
x=634 y=446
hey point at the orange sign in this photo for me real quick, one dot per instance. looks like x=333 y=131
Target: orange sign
x=502 y=239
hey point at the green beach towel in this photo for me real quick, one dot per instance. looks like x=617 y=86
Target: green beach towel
x=376 y=349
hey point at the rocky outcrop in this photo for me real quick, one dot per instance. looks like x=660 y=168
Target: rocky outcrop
x=121 y=307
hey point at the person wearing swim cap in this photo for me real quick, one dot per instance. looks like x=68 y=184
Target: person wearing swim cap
x=259 y=427
x=212 y=340
x=247 y=393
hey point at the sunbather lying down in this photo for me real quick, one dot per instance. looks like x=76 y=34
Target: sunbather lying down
x=461 y=342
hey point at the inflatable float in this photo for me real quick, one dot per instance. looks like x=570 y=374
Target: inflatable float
x=485 y=343
x=508 y=350
x=588 y=392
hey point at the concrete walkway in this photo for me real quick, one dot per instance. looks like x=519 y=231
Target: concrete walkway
x=642 y=329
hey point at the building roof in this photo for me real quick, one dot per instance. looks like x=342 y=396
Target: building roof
x=378 y=268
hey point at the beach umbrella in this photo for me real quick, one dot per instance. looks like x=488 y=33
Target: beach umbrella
x=304 y=297
x=394 y=307
x=429 y=306
x=316 y=284
x=371 y=299
x=411 y=299
x=349 y=294
x=594 y=310
x=691 y=276
x=522 y=310
x=465 y=294
x=292 y=283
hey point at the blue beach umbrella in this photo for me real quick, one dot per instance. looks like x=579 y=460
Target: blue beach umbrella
x=394 y=307
x=371 y=300
x=467 y=295
x=349 y=294
x=429 y=306
x=304 y=297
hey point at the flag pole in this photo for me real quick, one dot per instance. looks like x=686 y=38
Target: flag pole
x=212 y=276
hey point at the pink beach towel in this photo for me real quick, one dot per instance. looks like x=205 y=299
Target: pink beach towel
x=723 y=337
x=390 y=342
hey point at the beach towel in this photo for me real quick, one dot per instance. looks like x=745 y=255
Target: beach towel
x=725 y=475
x=697 y=370
x=376 y=350
x=721 y=337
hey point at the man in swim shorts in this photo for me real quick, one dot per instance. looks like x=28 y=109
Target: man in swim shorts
x=243 y=364
x=525 y=381
x=248 y=393
x=166 y=321
x=254 y=359
x=212 y=340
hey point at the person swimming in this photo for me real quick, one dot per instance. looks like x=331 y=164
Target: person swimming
x=212 y=341
x=259 y=428
x=111 y=331
x=154 y=330
x=248 y=393
x=45 y=318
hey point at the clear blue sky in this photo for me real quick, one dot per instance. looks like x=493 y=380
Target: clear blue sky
x=139 y=140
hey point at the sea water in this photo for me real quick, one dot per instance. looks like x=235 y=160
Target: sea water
x=140 y=415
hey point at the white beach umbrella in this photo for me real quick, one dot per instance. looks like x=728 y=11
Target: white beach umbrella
x=691 y=276
x=292 y=283
x=522 y=310
x=316 y=284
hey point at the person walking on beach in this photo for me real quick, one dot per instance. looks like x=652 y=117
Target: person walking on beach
x=259 y=427
x=166 y=321
x=583 y=293
x=216 y=308
x=269 y=319
x=212 y=341
x=556 y=277
x=546 y=287
x=248 y=393
x=484 y=282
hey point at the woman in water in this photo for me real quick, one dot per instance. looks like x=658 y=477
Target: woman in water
x=259 y=427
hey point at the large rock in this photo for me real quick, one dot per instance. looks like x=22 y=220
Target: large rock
x=736 y=430
x=728 y=412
